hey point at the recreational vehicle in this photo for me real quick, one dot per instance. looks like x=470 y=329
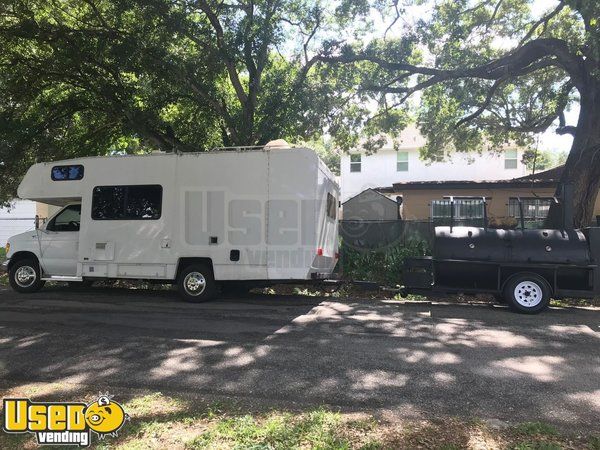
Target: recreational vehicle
x=200 y=220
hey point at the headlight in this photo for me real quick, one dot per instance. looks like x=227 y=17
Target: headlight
x=7 y=248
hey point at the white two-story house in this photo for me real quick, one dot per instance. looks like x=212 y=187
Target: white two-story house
x=387 y=166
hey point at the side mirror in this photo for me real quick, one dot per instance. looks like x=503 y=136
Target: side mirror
x=37 y=222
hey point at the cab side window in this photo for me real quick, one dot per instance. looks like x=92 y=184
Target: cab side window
x=67 y=220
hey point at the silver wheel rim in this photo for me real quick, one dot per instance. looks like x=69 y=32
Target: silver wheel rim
x=25 y=276
x=528 y=294
x=194 y=283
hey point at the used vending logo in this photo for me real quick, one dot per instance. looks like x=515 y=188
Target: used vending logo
x=57 y=423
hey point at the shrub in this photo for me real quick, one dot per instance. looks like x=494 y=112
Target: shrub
x=383 y=266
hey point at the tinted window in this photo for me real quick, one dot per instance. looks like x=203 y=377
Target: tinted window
x=127 y=202
x=66 y=220
x=331 y=206
x=67 y=173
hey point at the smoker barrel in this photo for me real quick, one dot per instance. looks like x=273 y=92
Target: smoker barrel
x=514 y=246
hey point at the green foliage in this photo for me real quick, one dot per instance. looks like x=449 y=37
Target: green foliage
x=478 y=91
x=384 y=266
x=82 y=78
x=537 y=446
x=317 y=429
x=536 y=428
x=544 y=160
x=3 y=276
x=327 y=152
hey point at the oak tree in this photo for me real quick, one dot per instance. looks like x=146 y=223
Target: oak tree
x=491 y=72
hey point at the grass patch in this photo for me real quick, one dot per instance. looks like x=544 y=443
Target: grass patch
x=160 y=421
x=316 y=429
x=566 y=302
x=536 y=428
x=538 y=446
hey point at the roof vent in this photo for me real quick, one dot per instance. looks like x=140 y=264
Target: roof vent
x=278 y=143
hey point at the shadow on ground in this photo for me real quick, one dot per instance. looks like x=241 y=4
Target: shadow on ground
x=413 y=360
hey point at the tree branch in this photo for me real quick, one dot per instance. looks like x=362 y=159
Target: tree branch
x=494 y=14
x=543 y=21
x=484 y=105
x=520 y=61
x=221 y=44
x=563 y=128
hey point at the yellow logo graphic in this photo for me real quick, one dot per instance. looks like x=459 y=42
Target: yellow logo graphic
x=57 y=423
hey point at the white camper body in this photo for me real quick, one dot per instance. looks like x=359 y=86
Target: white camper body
x=263 y=214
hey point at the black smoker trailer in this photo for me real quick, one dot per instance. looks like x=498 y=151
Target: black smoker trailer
x=523 y=267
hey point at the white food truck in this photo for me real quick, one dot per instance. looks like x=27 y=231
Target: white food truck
x=229 y=217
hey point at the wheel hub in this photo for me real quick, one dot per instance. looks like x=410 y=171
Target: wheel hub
x=194 y=283
x=528 y=294
x=25 y=276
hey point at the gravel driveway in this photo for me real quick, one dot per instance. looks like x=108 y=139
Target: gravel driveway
x=413 y=360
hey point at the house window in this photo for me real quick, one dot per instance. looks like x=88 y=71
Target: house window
x=67 y=173
x=355 y=162
x=402 y=162
x=535 y=210
x=331 y=206
x=467 y=211
x=511 y=159
x=141 y=202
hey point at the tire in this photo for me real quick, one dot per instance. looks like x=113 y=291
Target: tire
x=527 y=293
x=24 y=276
x=196 y=283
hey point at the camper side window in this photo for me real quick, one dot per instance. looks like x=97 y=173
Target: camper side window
x=142 y=202
x=67 y=173
x=331 y=206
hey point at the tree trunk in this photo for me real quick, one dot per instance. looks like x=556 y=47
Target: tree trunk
x=582 y=168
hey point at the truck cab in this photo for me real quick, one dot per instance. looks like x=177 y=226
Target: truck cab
x=48 y=252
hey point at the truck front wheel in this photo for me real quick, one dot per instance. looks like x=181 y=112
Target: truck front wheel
x=527 y=293
x=24 y=276
x=196 y=283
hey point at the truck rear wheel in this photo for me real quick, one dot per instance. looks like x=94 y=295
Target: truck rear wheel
x=196 y=283
x=24 y=276
x=527 y=293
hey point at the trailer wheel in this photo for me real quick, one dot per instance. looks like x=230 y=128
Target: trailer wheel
x=196 y=283
x=24 y=276
x=527 y=293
